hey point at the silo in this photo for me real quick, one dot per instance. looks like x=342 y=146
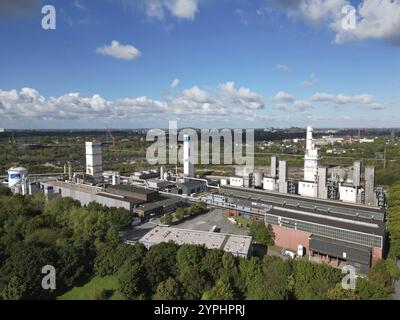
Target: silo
x=15 y=175
x=162 y=171
x=258 y=178
x=116 y=180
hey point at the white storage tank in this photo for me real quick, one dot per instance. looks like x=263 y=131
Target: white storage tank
x=116 y=180
x=15 y=175
x=258 y=179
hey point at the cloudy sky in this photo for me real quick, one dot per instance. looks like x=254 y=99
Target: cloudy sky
x=205 y=63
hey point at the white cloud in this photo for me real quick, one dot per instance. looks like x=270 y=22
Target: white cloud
x=364 y=100
x=282 y=67
x=182 y=9
x=310 y=82
x=302 y=106
x=375 y=19
x=242 y=96
x=119 y=51
x=284 y=97
x=175 y=83
x=226 y=102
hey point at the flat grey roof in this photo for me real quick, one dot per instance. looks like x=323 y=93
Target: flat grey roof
x=234 y=244
x=166 y=201
x=334 y=220
x=358 y=212
x=121 y=198
x=191 y=183
x=132 y=189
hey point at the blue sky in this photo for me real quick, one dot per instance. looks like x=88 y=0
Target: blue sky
x=235 y=63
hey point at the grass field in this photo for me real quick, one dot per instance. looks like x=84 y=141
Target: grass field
x=92 y=288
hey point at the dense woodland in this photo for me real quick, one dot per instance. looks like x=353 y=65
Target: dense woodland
x=83 y=242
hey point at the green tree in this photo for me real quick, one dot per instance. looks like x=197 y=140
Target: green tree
x=338 y=293
x=223 y=290
x=169 y=289
x=167 y=219
x=110 y=258
x=131 y=279
x=14 y=290
x=312 y=281
x=189 y=255
x=262 y=234
x=211 y=264
x=380 y=274
x=368 y=290
x=193 y=283
x=160 y=263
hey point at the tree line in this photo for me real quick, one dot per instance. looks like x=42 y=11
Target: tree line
x=83 y=242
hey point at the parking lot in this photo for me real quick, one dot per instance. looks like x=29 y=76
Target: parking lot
x=206 y=221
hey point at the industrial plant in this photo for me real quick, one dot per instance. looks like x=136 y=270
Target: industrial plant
x=335 y=220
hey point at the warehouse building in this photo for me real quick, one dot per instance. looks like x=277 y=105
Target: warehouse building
x=237 y=245
x=330 y=230
x=86 y=194
x=189 y=187
x=146 y=195
x=162 y=206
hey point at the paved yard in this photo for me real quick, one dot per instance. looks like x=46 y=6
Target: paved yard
x=206 y=221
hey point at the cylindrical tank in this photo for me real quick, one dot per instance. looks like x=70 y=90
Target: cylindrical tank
x=15 y=175
x=116 y=180
x=258 y=178
x=70 y=173
x=162 y=170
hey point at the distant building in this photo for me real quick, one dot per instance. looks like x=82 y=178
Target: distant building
x=189 y=187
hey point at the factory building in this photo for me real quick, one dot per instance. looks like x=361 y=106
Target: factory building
x=331 y=231
x=145 y=195
x=86 y=194
x=94 y=163
x=190 y=187
x=239 y=246
x=162 y=206
x=145 y=203
x=188 y=157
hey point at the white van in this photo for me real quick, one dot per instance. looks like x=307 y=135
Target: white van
x=288 y=253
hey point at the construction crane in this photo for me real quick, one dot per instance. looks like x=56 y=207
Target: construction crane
x=109 y=133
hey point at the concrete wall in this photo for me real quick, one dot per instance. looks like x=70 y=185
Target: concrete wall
x=357 y=173
x=322 y=188
x=274 y=166
x=370 y=197
x=283 y=174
